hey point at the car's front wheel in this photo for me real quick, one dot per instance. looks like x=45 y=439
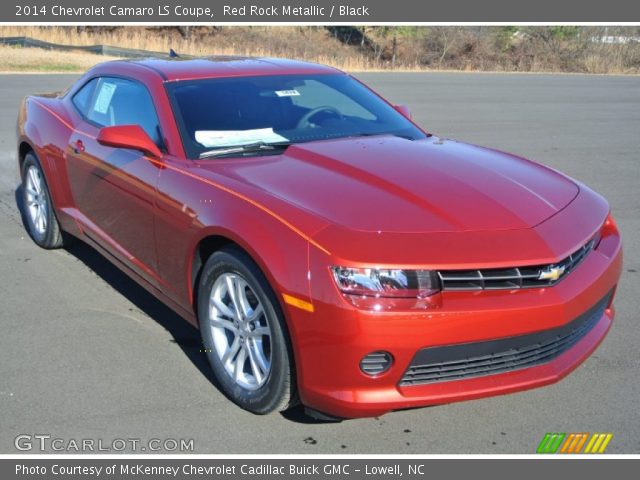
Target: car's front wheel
x=38 y=208
x=244 y=333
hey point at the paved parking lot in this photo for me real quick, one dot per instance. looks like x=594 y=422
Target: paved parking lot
x=85 y=353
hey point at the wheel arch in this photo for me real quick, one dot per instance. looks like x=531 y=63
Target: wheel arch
x=205 y=247
x=24 y=148
x=213 y=241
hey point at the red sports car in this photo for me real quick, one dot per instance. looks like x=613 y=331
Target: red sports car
x=330 y=251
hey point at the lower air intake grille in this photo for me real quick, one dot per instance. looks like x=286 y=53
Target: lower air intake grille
x=457 y=362
x=516 y=277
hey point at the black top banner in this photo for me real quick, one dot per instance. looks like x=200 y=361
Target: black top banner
x=317 y=11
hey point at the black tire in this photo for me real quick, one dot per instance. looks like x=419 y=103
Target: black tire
x=50 y=236
x=278 y=392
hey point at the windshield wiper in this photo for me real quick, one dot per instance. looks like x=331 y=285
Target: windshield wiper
x=250 y=147
x=379 y=134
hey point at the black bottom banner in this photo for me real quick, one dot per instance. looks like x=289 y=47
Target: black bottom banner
x=327 y=468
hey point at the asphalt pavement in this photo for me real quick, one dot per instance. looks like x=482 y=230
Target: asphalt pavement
x=87 y=354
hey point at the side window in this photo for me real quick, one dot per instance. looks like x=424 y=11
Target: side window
x=83 y=97
x=314 y=94
x=117 y=101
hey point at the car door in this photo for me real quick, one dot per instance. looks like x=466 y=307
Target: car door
x=114 y=189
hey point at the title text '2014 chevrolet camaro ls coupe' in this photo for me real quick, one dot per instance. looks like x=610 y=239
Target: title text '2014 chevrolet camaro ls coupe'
x=329 y=250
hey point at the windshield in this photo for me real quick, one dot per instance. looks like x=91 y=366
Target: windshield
x=228 y=112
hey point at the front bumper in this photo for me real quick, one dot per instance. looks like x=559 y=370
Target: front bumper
x=331 y=341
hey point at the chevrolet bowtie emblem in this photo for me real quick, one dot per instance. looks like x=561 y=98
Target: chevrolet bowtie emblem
x=551 y=273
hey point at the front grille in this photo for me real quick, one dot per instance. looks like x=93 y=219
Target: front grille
x=513 y=278
x=457 y=362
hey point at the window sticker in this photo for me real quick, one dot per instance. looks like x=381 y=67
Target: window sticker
x=287 y=93
x=104 y=97
x=227 y=138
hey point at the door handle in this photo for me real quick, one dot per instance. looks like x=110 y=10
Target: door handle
x=78 y=146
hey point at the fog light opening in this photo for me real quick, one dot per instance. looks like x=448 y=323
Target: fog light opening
x=376 y=363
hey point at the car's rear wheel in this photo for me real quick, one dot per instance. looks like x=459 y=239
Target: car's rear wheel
x=244 y=333
x=40 y=218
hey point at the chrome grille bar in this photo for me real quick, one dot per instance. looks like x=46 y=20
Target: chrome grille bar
x=512 y=278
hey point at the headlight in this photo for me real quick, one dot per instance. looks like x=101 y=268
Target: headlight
x=386 y=283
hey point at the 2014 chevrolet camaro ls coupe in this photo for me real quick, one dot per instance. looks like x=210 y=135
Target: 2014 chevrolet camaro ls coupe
x=329 y=250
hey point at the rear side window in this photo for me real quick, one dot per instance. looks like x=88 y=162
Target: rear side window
x=83 y=97
x=110 y=101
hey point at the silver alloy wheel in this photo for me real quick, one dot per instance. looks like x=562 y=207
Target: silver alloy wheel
x=240 y=331
x=36 y=200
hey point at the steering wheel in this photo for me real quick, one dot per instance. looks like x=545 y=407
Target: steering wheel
x=304 y=122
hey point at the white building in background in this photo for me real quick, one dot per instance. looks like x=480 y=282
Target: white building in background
x=615 y=39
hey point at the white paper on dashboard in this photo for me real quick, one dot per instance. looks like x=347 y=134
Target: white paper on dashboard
x=227 y=138
x=104 y=97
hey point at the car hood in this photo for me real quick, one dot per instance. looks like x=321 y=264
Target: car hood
x=389 y=184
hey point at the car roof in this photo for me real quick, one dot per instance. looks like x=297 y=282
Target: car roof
x=227 y=66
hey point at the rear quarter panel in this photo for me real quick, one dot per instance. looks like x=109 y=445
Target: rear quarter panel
x=45 y=126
